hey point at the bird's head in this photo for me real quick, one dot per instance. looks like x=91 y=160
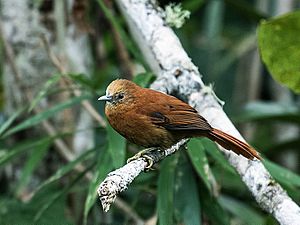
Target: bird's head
x=119 y=91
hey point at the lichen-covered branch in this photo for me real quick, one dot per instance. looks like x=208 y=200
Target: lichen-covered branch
x=118 y=180
x=177 y=74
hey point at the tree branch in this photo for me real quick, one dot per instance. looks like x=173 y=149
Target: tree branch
x=118 y=180
x=177 y=74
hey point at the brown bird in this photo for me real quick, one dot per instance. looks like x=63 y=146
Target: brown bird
x=153 y=119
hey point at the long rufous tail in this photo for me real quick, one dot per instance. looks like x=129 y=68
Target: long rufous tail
x=231 y=143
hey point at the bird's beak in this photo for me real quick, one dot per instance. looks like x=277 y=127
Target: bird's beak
x=105 y=98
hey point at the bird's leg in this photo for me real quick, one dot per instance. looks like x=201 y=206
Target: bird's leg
x=145 y=154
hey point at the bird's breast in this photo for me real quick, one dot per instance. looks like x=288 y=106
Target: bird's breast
x=139 y=129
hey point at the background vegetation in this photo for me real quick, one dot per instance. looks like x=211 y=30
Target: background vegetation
x=44 y=180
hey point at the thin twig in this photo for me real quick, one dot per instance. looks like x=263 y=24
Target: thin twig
x=86 y=104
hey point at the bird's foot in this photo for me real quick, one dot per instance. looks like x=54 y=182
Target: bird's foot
x=147 y=158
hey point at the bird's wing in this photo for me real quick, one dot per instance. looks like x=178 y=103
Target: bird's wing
x=175 y=114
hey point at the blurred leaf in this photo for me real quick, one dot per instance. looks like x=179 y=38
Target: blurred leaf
x=284 y=145
x=103 y=167
x=126 y=40
x=59 y=194
x=82 y=79
x=186 y=199
x=213 y=209
x=257 y=111
x=196 y=152
x=22 y=147
x=241 y=210
x=279 y=46
x=65 y=169
x=44 y=90
x=13 y=211
x=281 y=174
x=144 y=79
x=165 y=191
x=212 y=149
x=246 y=9
x=35 y=158
x=9 y=121
x=230 y=182
x=45 y=115
x=193 y=5
x=116 y=147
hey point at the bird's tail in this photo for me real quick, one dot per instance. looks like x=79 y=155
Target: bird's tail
x=231 y=143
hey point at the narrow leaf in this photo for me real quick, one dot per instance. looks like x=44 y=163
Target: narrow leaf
x=144 y=79
x=21 y=148
x=44 y=90
x=45 y=115
x=196 y=152
x=187 y=202
x=31 y=164
x=116 y=147
x=82 y=79
x=10 y=120
x=282 y=174
x=59 y=194
x=212 y=149
x=213 y=210
x=241 y=210
x=269 y=111
x=126 y=40
x=103 y=166
x=65 y=170
x=165 y=195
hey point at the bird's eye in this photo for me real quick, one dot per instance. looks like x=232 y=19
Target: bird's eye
x=120 y=96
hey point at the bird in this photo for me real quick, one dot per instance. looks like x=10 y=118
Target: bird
x=153 y=119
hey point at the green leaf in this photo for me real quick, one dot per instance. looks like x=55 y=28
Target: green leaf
x=53 y=80
x=65 y=169
x=279 y=46
x=213 y=210
x=83 y=79
x=59 y=194
x=196 y=152
x=117 y=25
x=187 y=204
x=165 y=195
x=15 y=211
x=10 y=120
x=212 y=149
x=230 y=182
x=45 y=115
x=22 y=147
x=269 y=111
x=241 y=210
x=144 y=79
x=281 y=174
x=35 y=157
x=193 y=5
x=116 y=147
x=103 y=166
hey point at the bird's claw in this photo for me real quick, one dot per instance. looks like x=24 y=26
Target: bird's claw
x=147 y=158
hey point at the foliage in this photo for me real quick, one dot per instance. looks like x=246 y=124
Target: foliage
x=279 y=46
x=195 y=186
